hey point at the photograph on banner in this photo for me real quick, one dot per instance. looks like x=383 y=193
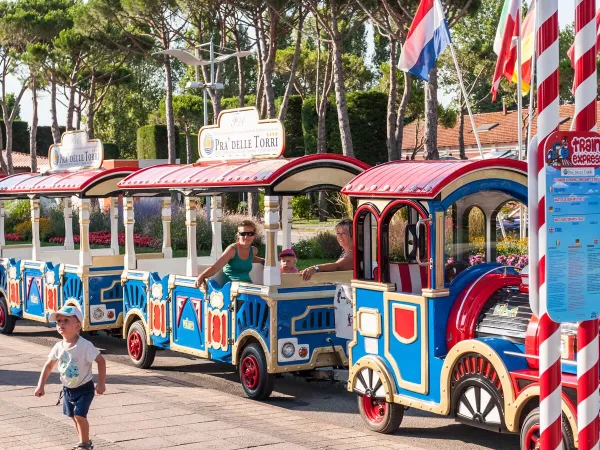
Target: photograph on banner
x=572 y=162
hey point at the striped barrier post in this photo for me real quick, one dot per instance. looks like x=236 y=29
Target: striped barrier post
x=586 y=89
x=548 y=119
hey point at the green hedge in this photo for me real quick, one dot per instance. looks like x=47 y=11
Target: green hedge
x=152 y=143
x=181 y=153
x=20 y=136
x=367 y=114
x=111 y=151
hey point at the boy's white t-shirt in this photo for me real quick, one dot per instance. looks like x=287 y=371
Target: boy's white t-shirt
x=75 y=363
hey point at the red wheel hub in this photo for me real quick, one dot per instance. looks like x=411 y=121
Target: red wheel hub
x=250 y=372
x=532 y=438
x=374 y=409
x=135 y=345
x=2 y=317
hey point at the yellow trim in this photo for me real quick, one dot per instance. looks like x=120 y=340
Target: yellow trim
x=373 y=286
x=330 y=360
x=117 y=324
x=483 y=174
x=130 y=318
x=34 y=317
x=305 y=314
x=435 y=293
x=439 y=250
x=413 y=309
x=375 y=363
x=240 y=343
x=373 y=312
x=423 y=386
x=102 y=291
x=190 y=351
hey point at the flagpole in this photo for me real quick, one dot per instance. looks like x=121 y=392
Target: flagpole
x=519 y=87
x=464 y=91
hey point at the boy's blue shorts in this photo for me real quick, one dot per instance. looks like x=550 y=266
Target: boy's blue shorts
x=77 y=401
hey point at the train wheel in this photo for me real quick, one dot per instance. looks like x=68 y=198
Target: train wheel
x=256 y=381
x=530 y=432
x=141 y=354
x=477 y=393
x=7 y=322
x=380 y=415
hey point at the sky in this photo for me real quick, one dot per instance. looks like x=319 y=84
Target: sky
x=565 y=17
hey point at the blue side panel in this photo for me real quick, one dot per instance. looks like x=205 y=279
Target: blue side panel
x=3 y=280
x=159 y=340
x=135 y=297
x=187 y=311
x=308 y=324
x=219 y=325
x=14 y=288
x=253 y=313
x=33 y=291
x=105 y=299
x=72 y=289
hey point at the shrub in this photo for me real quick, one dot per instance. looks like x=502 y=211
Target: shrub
x=44 y=228
x=518 y=261
x=56 y=223
x=13 y=237
x=304 y=249
x=327 y=245
x=24 y=229
x=478 y=258
x=99 y=220
x=512 y=245
x=16 y=212
x=301 y=207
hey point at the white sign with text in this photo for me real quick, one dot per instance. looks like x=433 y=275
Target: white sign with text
x=239 y=134
x=76 y=152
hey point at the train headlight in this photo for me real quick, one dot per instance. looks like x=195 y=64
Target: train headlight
x=157 y=291
x=288 y=350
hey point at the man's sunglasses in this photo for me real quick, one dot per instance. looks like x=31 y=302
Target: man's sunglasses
x=247 y=233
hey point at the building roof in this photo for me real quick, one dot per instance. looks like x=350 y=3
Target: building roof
x=424 y=179
x=23 y=160
x=503 y=134
x=280 y=174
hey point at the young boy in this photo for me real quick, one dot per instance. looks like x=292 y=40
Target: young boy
x=287 y=261
x=75 y=356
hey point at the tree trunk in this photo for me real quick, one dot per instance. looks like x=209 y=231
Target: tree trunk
x=34 y=125
x=402 y=113
x=321 y=128
x=78 y=112
x=2 y=161
x=71 y=106
x=9 y=142
x=431 y=116
x=240 y=69
x=253 y=203
x=322 y=207
x=461 y=128
x=169 y=110
x=269 y=62
x=55 y=128
x=340 y=92
x=290 y=85
x=188 y=145
x=91 y=108
x=393 y=153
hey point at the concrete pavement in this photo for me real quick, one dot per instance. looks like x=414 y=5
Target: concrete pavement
x=145 y=410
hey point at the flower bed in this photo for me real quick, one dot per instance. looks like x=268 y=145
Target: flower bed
x=13 y=237
x=102 y=238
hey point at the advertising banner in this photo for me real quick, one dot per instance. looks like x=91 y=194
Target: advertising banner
x=572 y=225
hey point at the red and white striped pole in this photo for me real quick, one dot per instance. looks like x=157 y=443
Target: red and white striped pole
x=548 y=119
x=586 y=89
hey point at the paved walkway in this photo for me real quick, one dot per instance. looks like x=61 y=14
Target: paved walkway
x=145 y=410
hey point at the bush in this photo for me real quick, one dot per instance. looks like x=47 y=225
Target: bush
x=301 y=207
x=44 y=228
x=24 y=229
x=304 y=249
x=44 y=139
x=152 y=142
x=56 y=223
x=99 y=220
x=327 y=245
x=16 y=212
x=13 y=237
x=111 y=151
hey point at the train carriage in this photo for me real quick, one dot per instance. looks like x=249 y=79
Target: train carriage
x=440 y=325
x=36 y=281
x=276 y=324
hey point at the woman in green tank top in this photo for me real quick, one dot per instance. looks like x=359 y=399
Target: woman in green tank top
x=237 y=259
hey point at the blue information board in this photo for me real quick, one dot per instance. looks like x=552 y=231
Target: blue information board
x=572 y=226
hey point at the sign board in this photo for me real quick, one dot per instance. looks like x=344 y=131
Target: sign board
x=239 y=134
x=572 y=162
x=342 y=303
x=76 y=152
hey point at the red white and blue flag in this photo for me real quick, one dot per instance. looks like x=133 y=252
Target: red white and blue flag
x=427 y=38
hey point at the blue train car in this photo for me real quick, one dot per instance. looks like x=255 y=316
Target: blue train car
x=35 y=280
x=442 y=315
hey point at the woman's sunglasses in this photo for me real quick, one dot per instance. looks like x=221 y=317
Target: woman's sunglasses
x=247 y=233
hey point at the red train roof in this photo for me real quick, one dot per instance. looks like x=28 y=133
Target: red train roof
x=97 y=183
x=239 y=174
x=421 y=178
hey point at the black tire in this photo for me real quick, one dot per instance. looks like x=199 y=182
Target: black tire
x=7 y=322
x=379 y=415
x=256 y=381
x=530 y=432
x=141 y=354
x=477 y=398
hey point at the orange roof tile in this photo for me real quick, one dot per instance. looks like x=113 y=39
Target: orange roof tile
x=503 y=134
x=23 y=160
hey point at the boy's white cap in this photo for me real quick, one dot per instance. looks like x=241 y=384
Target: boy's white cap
x=66 y=311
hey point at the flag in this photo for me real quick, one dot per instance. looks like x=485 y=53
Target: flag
x=427 y=38
x=571 y=51
x=527 y=39
x=504 y=45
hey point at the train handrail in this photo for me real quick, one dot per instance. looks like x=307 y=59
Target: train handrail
x=419 y=223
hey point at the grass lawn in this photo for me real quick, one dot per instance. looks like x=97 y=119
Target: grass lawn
x=304 y=263
x=330 y=221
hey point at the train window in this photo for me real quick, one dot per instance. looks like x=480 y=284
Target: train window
x=482 y=228
x=366 y=246
x=401 y=249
